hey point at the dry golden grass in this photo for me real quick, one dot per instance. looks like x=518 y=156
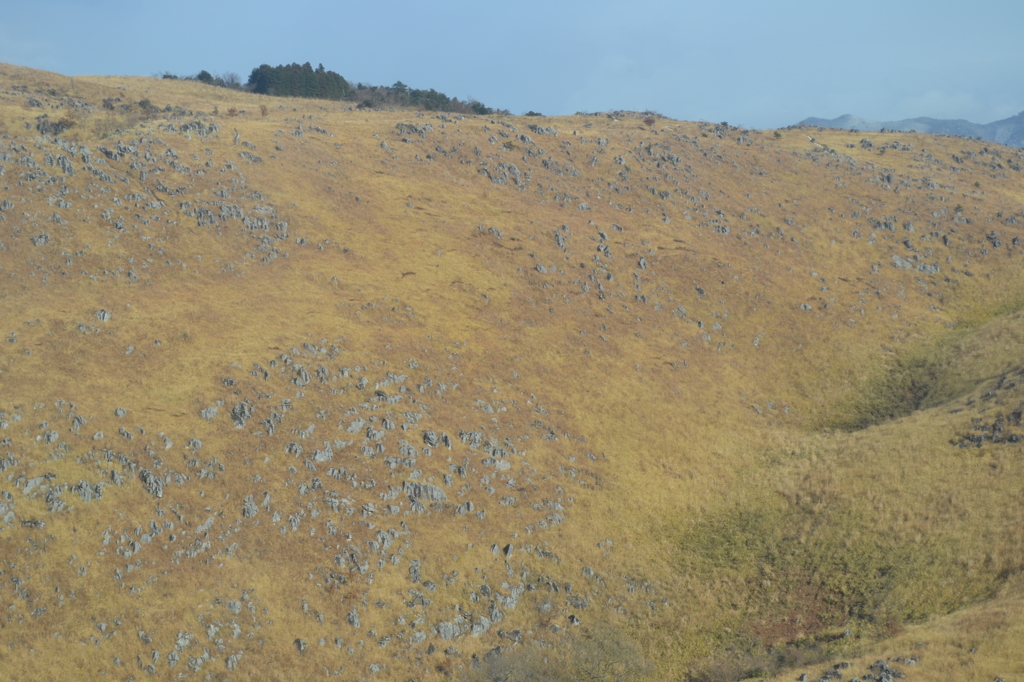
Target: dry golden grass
x=744 y=519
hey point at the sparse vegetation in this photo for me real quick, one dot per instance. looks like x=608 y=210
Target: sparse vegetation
x=597 y=654
x=228 y=79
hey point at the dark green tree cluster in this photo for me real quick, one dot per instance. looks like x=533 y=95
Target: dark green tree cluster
x=295 y=80
x=302 y=80
x=401 y=95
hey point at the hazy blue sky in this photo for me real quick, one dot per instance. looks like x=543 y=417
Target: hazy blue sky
x=755 y=63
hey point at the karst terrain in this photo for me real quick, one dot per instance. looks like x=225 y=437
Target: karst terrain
x=295 y=390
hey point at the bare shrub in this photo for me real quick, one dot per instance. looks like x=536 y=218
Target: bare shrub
x=107 y=126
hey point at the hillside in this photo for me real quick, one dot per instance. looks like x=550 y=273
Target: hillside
x=1008 y=131
x=293 y=390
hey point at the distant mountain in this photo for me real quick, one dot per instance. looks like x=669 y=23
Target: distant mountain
x=1009 y=131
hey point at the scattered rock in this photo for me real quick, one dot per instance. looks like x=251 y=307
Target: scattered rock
x=249 y=508
x=154 y=484
x=424 y=491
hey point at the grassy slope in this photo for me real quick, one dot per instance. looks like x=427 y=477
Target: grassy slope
x=736 y=523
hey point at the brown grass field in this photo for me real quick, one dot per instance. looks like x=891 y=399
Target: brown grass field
x=750 y=399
